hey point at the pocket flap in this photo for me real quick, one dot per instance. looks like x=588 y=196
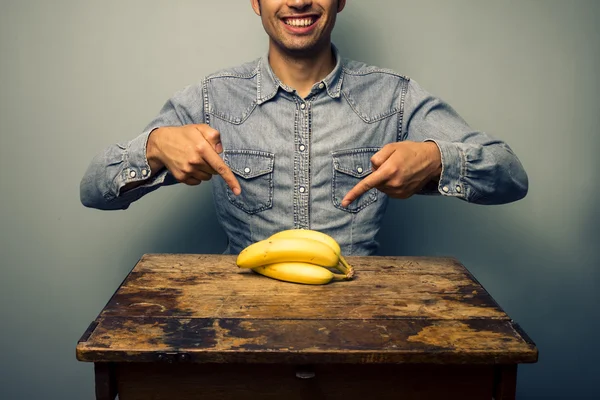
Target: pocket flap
x=249 y=163
x=355 y=162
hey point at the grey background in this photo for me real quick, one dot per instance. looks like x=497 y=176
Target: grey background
x=78 y=75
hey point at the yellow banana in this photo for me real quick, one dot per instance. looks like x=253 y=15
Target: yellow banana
x=298 y=272
x=321 y=237
x=271 y=251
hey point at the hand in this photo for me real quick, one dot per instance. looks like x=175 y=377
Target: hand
x=190 y=153
x=400 y=170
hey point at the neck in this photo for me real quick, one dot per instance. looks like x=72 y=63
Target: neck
x=299 y=71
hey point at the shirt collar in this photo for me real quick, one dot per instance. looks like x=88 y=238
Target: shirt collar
x=268 y=84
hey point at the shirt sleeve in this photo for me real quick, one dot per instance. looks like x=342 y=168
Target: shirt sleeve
x=123 y=163
x=476 y=167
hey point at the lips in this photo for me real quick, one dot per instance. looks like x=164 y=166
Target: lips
x=300 y=22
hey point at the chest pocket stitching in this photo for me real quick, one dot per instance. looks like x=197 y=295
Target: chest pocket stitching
x=348 y=171
x=256 y=195
x=234 y=120
x=363 y=116
x=346 y=163
x=261 y=162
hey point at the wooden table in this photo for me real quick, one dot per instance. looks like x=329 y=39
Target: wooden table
x=197 y=327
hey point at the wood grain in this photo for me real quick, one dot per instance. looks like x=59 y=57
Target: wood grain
x=384 y=287
x=307 y=341
x=398 y=310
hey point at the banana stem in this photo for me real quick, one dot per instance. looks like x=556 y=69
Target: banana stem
x=346 y=268
x=339 y=277
x=342 y=268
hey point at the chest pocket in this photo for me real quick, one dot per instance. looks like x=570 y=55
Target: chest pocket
x=254 y=172
x=349 y=168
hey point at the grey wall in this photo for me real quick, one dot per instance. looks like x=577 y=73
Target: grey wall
x=78 y=75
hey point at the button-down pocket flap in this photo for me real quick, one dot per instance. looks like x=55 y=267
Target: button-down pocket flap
x=249 y=163
x=356 y=162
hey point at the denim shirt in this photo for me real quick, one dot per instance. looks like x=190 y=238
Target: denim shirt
x=296 y=158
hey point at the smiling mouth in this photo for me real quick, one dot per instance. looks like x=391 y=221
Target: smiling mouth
x=300 y=22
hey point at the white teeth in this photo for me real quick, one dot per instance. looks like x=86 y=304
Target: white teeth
x=299 y=21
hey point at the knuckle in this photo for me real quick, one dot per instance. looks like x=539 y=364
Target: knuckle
x=393 y=172
x=180 y=176
x=200 y=148
x=212 y=134
x=207 y=131
x=389 y=170
x=187 y=170
x=392 y=183
x=194 y=160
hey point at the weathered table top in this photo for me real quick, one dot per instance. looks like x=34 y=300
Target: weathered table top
x=203 y=308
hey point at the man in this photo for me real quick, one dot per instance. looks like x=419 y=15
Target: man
x=303 y=138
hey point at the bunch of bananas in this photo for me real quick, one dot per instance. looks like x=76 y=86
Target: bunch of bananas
x=297 y=255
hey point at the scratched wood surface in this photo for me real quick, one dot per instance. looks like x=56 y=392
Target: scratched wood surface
x=204 y=309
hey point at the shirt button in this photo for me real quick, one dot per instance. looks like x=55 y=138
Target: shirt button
x=303 y=106
x=132 y=173
x=246 y=170
x=144 y=172
x=302 y=189
x=445 y=189
x=321 y=85
x=458 y=189
x=302 y=147
x=359 y=170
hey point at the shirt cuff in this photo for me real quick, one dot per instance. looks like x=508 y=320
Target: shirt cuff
x=453 y=167
x=136 y=167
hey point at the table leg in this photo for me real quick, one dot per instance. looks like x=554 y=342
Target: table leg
x=106 y=381
x=505 y=382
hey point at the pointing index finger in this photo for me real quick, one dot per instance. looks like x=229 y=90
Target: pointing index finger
x=371 y=181
x=216 y=163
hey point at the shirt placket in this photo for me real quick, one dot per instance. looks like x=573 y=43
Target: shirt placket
x=302 y=165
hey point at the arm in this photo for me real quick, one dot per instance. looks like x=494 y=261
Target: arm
x=440 y=154
x=173 y=148
x=122 y=173
x=476 y=167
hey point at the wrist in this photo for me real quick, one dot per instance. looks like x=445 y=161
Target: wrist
x=153 y=150
x=435 y=161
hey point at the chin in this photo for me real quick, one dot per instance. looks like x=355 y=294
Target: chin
x=301 y=49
